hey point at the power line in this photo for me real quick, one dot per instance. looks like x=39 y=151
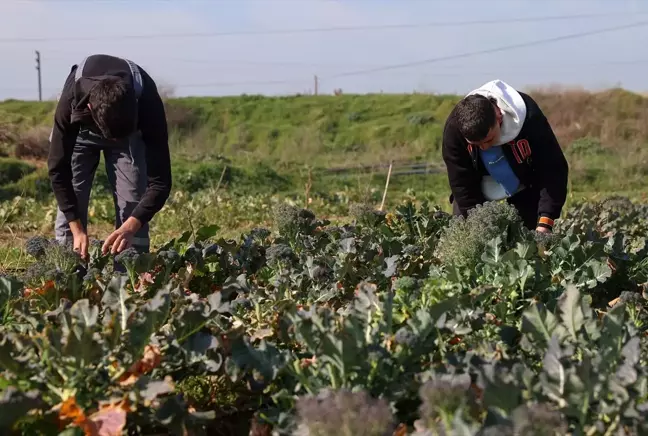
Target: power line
x=245 y=83
x=226 y=62
x=313 y=30
x=433 y=74
x=487 y=51
x=265 y=1
x=221 y=62
x=305 y=81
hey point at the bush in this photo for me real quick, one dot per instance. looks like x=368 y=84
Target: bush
x=34 y=143
x=34 y=185
x=12 y=170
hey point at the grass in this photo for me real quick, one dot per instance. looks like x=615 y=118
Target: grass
x=241 y=154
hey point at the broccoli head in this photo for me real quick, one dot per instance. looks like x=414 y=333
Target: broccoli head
x=278 y=253
x=405 y=336
x=37 y=246
x=291 y=220
x=127 y=257
x=538 y=420
x=630 y=297
x=366 y=215
x=463 y=241
x=344 y=412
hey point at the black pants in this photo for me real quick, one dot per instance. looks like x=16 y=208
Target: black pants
x=526 y=203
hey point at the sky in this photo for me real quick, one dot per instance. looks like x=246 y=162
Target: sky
x=276 y=47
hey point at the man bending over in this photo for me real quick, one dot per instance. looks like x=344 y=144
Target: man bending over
x=109 y=105
x=497 y=144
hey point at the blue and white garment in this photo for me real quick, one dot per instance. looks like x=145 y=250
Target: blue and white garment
x=501 y=173
x=502 y=182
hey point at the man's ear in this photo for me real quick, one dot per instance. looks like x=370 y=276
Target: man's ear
x=498 y=114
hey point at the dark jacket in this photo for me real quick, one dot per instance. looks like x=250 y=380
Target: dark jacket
x=72 y=114
x=534 y=155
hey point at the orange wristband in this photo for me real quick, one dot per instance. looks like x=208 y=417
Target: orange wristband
x=546 y=221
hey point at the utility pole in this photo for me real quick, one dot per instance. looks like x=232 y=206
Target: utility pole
x=38 y=68
x=316 y=84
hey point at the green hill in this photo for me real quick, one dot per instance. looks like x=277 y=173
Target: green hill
x=280 y=136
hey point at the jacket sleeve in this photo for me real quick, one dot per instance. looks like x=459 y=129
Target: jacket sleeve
x=59 y=160
x=550 y=173
x=465 y=181
x=153 y=126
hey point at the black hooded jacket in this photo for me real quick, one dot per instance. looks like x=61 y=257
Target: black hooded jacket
x=534 y=155
x=72 y=114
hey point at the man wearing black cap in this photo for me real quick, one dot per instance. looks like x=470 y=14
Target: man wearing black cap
x=110 y=105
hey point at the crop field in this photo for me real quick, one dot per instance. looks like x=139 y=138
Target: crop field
x=279 y=299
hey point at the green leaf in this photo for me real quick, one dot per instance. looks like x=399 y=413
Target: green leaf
x=632 y=351
x=492 y=251
x=81 y=345
x=539 y=323
x=149 y=389
x=266 y=359
x=571 y=313
x=206 y=232
x=84 y=313
x=16 y=404
x=500 y=390
x=144 y=262
x=9 y=289
x=601 y=271
x=7 y=348
x=525 y=249
x=116 y=298
x=551 y=363
x=150 y=318
x=216 y=304
x=392 y=265
x=174 y=414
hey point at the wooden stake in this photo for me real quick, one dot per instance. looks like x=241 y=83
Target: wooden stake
x=382 y=204
x=308 y=185
x=221 y=178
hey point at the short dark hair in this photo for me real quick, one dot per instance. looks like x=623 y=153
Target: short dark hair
x=114 y=107
x=475 y=117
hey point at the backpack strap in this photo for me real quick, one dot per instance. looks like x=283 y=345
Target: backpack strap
x=79 y=70
x=137 y=78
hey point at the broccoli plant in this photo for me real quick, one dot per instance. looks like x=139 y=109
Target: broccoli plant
x=464 y=240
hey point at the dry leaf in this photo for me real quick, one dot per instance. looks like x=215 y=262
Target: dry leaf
x=69 y=411
x=144 y=279
x=261 y=334
x=109 y=421
x=149 y=361
x=401 y=430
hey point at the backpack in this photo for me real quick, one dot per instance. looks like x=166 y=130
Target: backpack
x=135 y=73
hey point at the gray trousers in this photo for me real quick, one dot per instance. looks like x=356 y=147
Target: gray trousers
x=126 y=170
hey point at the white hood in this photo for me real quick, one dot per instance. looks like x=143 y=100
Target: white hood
x=510 y=103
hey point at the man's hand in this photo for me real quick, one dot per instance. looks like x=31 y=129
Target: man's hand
x=122 y=238
x=80 y=237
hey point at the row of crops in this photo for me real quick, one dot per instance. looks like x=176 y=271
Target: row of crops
x=402 y=323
